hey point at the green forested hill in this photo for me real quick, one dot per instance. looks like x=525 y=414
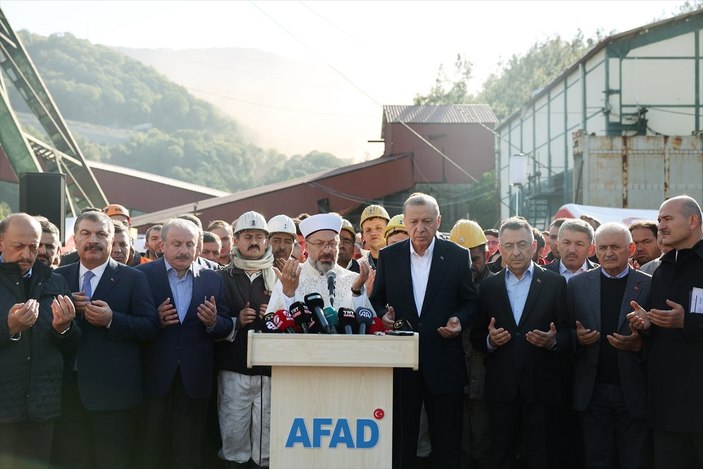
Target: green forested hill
x=185 y=138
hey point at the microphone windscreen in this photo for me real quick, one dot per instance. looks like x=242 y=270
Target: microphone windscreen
x=313 y=300
x=364 y=315
x=312 y=324
x=331 y=316
x=287 y=322
x=347 y=319
x=377 y=326
x=297 y=312
x=270 y=323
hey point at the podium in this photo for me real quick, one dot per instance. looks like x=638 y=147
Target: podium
x=331 y=396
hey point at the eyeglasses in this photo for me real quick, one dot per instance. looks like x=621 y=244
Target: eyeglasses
x=322 y=245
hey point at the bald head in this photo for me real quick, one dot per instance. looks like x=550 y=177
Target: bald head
x=680 y=222
x=20 y=235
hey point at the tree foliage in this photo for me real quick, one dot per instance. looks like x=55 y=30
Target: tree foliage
x=449 y=88
x=174 y=134
x=504 y=91
x=523 y=75
x=93 y=83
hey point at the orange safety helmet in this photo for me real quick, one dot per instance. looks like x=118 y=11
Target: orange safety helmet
x=117 y=209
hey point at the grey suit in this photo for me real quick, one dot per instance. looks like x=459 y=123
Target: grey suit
x=601 y=413
x=584 y=304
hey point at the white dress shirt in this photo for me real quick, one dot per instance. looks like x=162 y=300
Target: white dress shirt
x=420 y=273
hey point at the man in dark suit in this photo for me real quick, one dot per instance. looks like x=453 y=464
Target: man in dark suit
x=522 y=327
x=674 y=346
x=104 y=388
x=575 y=245
x=178 y=363
x=427 y=282
x=609 y=377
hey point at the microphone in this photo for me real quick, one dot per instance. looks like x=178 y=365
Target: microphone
x=377 y=326
x=297 y=311
x=364 y=318
x=315 y=303
x=331 y=283
x=284 y=322
x=402 y=324
x=313 y=326
x=332 y=319
x=347 y=319
x=270 y=323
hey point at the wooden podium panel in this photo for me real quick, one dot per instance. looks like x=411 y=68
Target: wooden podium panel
x=333 y=350
x=336 y=397
x=331 y=397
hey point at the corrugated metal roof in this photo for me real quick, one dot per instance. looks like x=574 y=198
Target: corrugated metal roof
x=156 y=178
x=441 y=114
x=165 y=214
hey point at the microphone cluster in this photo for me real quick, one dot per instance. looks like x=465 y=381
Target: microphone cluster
x=312 y=317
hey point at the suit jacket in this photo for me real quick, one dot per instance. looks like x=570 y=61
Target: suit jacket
x=187 y=346
x=109 y=360
x=584 y=305
x=519 y=365
x=450 y=292
x=554 y=266
x=674 y=356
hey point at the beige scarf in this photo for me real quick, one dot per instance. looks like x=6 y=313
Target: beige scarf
x=265 y=265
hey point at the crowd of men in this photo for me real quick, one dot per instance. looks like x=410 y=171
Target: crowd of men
x=580 y=346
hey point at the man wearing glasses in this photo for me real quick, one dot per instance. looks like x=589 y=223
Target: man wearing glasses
x=320 y=273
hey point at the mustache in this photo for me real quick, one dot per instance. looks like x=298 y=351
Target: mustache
x=184 y=257
x=93 y=247
x=253 y=246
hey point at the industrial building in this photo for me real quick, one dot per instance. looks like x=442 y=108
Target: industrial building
x=619 y=128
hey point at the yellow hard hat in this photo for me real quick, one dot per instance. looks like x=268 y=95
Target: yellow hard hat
x=373 y=211
x=467 y=233
x=116 y=209
x=395 y=224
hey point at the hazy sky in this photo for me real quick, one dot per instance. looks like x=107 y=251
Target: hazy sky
x=379 y=52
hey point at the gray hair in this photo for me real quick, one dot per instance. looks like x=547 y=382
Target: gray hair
x=183 y=224
x=516 y=223
x=689 y=206
x=419 y=198
x=614 y=228
x=578 y=226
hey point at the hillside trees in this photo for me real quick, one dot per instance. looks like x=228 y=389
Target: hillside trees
x=174 y=134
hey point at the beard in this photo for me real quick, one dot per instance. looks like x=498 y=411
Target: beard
x=324 y=266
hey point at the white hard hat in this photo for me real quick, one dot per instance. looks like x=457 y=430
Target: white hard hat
x=282 y=224
x=251 y=221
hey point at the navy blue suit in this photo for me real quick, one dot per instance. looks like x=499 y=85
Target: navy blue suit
x=109 y=360
x=178 y=367
x=102 y=397
x=187 y=346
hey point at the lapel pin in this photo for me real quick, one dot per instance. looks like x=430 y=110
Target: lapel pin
x=441 y=257
x=539 y=280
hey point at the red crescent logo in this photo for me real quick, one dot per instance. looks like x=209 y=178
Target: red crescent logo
x=378 y=414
